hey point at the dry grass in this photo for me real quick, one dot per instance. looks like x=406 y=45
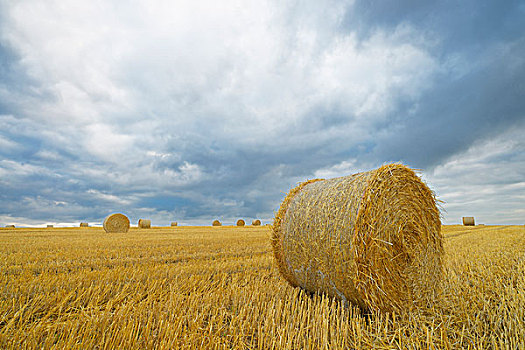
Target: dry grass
x=204 y=287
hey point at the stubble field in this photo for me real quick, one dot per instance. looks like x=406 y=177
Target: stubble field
x=218 y=287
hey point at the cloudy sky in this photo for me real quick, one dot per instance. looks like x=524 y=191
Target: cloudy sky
x=194 y=110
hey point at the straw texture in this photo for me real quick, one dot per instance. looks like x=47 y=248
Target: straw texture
x=84 y=224
x=216 y=223
x=116 y=223
x=144 y=223
x=372 y=238
x=240 y=222
x=468 y=221
x=174 y=223
x=256 y=222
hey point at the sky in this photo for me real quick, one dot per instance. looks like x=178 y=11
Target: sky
x=192 y=111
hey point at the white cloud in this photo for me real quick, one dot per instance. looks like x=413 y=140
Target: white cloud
x=346 y=167
x=98 y=195
x=486 y=181
x=241 y=66
x=106 y=144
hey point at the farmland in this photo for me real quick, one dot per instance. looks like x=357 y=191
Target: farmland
x=218 y=287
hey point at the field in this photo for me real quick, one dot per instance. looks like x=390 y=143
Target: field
x=218 y=287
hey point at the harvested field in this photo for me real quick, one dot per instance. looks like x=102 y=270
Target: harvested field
x=204 y=287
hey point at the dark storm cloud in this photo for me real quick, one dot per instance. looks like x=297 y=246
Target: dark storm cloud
x=478 y=91
x=484 y=102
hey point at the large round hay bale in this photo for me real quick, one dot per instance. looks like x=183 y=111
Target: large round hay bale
x=144 y=223
x=256 y=222
x=84 y=224
x=468 y=221
x=372 y=238
x=216 y=223
x=240 y=222
x=174 y=223
x=116 y=223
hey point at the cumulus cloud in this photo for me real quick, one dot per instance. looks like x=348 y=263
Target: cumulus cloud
x=202 y=110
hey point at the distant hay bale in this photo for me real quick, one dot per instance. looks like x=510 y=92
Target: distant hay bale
x=372 y=238
x=174 y=223
x=10 y=226
x=468 y=221
x=216 y=223
x=256 y=222
x=240 y=222
x=84 y=224
x=49 y=226
x=144 y=223
x=116 y=223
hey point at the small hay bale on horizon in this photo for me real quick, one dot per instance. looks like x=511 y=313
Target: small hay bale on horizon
x=256 y=222
x=144 y=223
x=216 y=223
x=49 y=226
x=468 y=221
x=10 y=226
x=240 y=222
x=116 y=223
x=84 y=224
x=174 y=223
x=372 y=238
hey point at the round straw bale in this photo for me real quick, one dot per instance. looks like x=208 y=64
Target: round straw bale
x=240 y=222
x=116 y=223
x=144 y=223
x=84 y=224
x=468 y=221
x=10 y=226
x=174 y=223
x=256 y=222
x=49 y=226
x=216 y=223
x=372 y=238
